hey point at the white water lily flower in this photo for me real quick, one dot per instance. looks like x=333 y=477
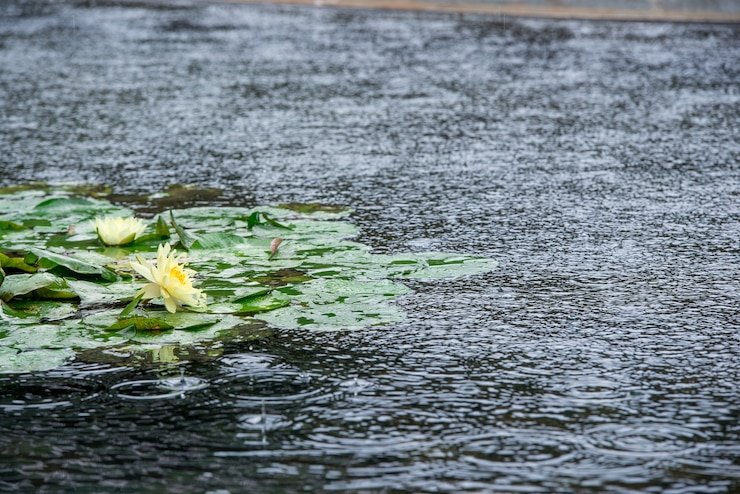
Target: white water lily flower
x=168 y=278
x=114 y=230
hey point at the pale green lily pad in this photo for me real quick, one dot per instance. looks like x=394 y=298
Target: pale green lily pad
x=187 y=327
x=35 y=311
x=435 y=265
x=333 y=317
x=345 y=291
x=45 y=259
x=91 y=293
x=16 y=285
x=14 y=361
x=66 y=334
x=217 y=241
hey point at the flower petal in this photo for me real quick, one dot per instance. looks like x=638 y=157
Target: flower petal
x=170 y=304
x=151 y=290
x=144 y=270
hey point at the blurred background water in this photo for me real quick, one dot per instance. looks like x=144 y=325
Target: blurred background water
x=597 y=161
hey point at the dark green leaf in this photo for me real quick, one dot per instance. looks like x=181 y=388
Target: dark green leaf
x=258 y=218
x=10 y=225
x=253 y=220
x=162 y=228
x=263 y=303
x=15 y=263
x=186 y=239
x=140 y=323
x=131 y=306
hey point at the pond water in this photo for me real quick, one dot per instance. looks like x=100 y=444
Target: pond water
x=597 y=162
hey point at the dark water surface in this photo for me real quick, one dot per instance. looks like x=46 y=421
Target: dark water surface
x=598 y=162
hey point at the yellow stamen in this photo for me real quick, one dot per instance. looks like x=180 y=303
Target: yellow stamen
x=177 y=272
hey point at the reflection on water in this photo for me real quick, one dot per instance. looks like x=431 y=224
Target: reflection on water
x=594 y=160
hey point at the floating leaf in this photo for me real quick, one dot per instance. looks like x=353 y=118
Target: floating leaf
x=263 y=301
x=131 y=306
x=186 y=239
x=64 y=204
x=47 y=259
x=16 y=285
x=437 y=265
x=10 y=225
x=186 y=327
x=13 y=360
x=91 y=294
x=259 y=218
x=37 y=311
x=140 y=323
x=161 y=227
x=216 y=241
x=18 y=263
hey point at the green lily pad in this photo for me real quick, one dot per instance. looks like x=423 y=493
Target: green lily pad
x=13 y=360
x=47 y=259
x=35 y=311
x=15 y=263
x=16 y=285
x=91 y=294
x=216 y=241
x=333 y=317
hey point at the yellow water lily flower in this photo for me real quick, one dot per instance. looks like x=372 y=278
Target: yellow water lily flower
x=168 y=278
x=114 y=230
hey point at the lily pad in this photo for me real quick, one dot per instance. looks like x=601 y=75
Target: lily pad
x=16 y=285
x=47 y=259
x=13 y=360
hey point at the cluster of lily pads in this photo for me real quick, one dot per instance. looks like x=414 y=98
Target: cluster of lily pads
x=64 y=290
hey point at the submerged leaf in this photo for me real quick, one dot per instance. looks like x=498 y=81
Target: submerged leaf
x=333 y=317
x=310 y=208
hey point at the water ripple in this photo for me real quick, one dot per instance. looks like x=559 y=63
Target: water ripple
x=158 y=389
x=644 y=440
x=45 y=393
